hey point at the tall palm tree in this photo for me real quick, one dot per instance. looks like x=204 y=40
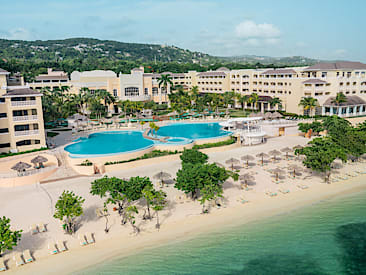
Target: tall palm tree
x=254 y=100
x=339 y=99
x=107 y=98
x=242 y=99
x=165 y=80
x=309 y=104
x=193 y=93
x=228 y=99
x=276 y=102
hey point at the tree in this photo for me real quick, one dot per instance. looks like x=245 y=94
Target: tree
x=159 y=203
x=242 y=99
x=315 y=126
x=68 y=207
x=339 y=99
x=8 y=238
x=320 y=155
x=165 y=81
x=148 y=193
x=276 y=102
x=309 y=104
x=254 y=100
x=209 y=193
x=130 y=216
x=336 y=126
x=193 y=156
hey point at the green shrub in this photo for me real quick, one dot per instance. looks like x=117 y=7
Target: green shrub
x=230 y=141
x=86 y=163
x=4 y=155
x=52 y=134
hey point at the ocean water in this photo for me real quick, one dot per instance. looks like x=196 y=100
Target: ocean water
x=328 y=237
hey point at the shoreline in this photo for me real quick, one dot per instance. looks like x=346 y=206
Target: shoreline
x=80 y=258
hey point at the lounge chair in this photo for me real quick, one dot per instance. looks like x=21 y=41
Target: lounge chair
x=27 y=256
x=82 y=239
x=34 y=229
x=52 y=248
x=42 y=227
x=303 y=186
x=61 y=246
x=89 y=238
x=18 y=259
x=270 y=193
x=2 y=266
x=284 y=191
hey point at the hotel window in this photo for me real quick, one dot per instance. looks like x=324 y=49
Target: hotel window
x=34 y=112
x=4 y=130
x=35 y=126
x=357 y=74
x=163 y=91
x=115 y=92
x=324 y=74
x=24 y=142
x=362 y=75
x=131 y=91
x=354 y=83
x=146 y=91
x=2 y=115
x=4 y=145
x=155 y=91
x=349 y=74
x=2 y=100
x=21 y=127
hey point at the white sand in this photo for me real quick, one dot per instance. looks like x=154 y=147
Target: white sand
x=34 y=204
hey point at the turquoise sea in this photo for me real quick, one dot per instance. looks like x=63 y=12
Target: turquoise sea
x=328 y=237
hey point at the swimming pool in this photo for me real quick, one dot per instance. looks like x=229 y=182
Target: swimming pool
x=116 y=142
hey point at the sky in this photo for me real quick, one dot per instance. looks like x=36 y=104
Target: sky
x=324 y=29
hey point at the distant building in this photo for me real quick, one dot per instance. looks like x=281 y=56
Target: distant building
x=21 y=116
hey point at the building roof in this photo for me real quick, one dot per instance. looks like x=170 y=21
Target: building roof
x=351 y=100
x=314 y=81
x=222 y=69
x=212 y=73
x=341 y=65
x=280 y=71
x=2 y=71
x=52 y=77
x=22 y=92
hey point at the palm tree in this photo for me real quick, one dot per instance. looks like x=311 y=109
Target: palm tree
x=339 y=99
x=254 y=100
x=106 y=97
x=242 y=99
x=228 y=99
x=276 y=102
x=165 y=80
x=309 y=104
x=193 y=93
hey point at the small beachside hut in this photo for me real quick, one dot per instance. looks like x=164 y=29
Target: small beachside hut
x=262 y=156
x=21 y=167
x=247 y=158
x=231 y=162
x=39 y=160
x=162 y=176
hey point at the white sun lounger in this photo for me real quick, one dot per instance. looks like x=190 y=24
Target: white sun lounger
x=89 y=238
x=82 y=239
x=27 y=256
x=18 y=259
x=2 y=266
x=52 y=248
x=61 y=246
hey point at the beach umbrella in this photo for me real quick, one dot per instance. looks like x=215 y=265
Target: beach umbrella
x=162 y=176
x=247 y=158
x=21 y=166
x=245 y=178
x=294 y=168
x=286 y=150
x=276 y=115
x=274 y=153
x=277 y=172
x=262 y=156
x=231 y=162
x=267 y=115
x=39 y=159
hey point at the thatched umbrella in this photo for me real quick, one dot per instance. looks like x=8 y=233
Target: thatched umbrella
x=245 y=178
x=39 y=160
x=262 y=156
x=294 y=168
x=231 y=162
x=247 y=158
x=274 y=153
x=21 y=166
x=276 y=115
x=277 y=172
x=267 y=115
x=297 y=147
x=286 y=150
x=162 y=176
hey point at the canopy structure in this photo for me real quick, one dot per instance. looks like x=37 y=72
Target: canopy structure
x=39 y=160
x=162 y=176
x=21 y=167
x=247 y=158
x=231 y=162
x=262 y=156
x=275 y=153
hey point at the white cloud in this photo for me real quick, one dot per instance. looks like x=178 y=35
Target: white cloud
x=19 y=34
x=249 y=29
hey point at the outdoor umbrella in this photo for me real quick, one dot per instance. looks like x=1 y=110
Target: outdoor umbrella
x=277 y=172
x=39 y=159
x=231 y=162
x=294 y=168
x=276 y=115
x=21 y=166
x=274 y=153
x=286 y=150
x=162 y=176
x=267 y=115
x=262 y=156
x=247 y=158
x=245 y=178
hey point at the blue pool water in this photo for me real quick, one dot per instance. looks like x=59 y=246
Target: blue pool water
x=115 y=142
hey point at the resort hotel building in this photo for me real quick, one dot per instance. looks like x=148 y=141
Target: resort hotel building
x=21 y=116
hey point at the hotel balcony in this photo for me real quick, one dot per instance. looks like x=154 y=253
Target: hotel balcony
x=138 y=98
x=25 y=118
x=26 y=133
x=23 y=103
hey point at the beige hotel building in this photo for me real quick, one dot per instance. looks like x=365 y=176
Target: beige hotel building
x=322 y=81
x=21 y=116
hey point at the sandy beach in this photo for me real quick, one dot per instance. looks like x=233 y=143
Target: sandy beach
x=29 y=205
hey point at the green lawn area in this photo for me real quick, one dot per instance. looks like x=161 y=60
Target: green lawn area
x=52 y=134
x=238 y=113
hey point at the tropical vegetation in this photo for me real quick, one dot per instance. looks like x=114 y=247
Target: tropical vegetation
x=9 y=238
